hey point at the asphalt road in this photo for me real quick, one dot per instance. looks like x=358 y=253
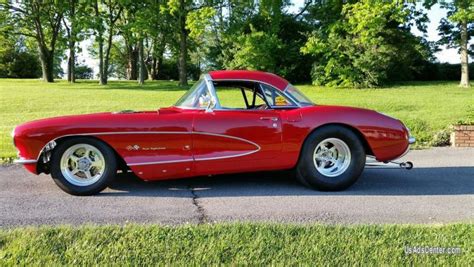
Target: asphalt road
x=439 y=189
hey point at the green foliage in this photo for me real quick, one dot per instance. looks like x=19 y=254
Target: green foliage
x=442 y=71
x=365 y=46
x=442 y=138
x=40 y=21
x=449 y=27
x=83 y=72
x=16 y=60
x=251 y=51
x=348 y=43
x=235 y=244
x=197 y=21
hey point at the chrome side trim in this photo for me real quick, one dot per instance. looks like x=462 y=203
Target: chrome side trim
x=258 y=148
x=24 y=161
x=159 y=162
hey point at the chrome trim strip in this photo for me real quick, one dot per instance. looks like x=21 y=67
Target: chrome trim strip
x=24 y=161
x=258 y=148
x=229 y=156
x=159 y=162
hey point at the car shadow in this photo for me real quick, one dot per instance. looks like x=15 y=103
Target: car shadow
x=382 y=182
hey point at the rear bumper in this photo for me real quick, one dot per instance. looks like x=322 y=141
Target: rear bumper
x=29 y=164
x=25 y=161
x=411 y=140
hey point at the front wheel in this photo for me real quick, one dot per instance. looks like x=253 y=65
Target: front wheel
x=332 y=159
x=83 y=166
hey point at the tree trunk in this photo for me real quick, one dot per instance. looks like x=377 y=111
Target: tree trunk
x=132 y=73
x=159 y=61
x=71 y=64
x=47 y=64
x=105 y=69
x=141 y=62
x=102 y=79
x=153 y=71
x=464 y=56
x=183 y=46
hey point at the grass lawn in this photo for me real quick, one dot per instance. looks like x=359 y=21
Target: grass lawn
x=426 y=108
x=255 y=244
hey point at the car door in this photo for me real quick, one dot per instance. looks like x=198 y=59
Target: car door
x=236 y=140
x=240 y=134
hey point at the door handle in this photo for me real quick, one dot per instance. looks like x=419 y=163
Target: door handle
x=269 y=118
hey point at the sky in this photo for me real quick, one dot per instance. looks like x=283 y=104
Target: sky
x=434 y=14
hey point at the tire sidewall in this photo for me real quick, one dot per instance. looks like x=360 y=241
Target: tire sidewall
x=101 y=184
x=308 y=171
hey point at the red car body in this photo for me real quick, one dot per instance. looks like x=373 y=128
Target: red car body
x=176 y=142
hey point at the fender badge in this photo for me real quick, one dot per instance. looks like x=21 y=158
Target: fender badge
x=134 y=147
x=137 y=147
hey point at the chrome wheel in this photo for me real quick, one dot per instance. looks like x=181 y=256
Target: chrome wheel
x=82 y=164
x=332 y=157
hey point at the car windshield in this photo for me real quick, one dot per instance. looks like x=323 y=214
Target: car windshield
x=196 y=97
x=298 y=96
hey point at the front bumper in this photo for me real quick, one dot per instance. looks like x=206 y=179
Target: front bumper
x=411 y=140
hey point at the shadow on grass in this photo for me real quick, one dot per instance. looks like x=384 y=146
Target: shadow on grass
x=409 y=84
x=130 y=85
x=373 y=182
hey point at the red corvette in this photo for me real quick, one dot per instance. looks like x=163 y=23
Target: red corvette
x=228 y=122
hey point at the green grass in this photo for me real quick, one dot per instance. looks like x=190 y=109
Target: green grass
x=255 y=244
x=426 y=108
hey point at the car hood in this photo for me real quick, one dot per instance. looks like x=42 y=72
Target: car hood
x=96 y=122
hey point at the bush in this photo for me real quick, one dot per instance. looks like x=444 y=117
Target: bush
x=442 y=138
x=83 y=72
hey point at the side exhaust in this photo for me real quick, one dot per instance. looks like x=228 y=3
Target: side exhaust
x=372 y=162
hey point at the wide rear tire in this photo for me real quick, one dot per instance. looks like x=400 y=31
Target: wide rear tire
x=83 y=166
x=332 y=159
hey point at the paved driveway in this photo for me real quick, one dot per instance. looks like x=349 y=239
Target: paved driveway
x=439 y=189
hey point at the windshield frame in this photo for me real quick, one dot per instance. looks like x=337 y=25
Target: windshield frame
x=206 y=81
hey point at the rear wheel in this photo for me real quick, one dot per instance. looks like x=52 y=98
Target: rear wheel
x=83 y=166
x=332 y=158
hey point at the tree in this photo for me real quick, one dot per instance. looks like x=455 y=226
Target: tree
x=180 y=10
x=40 y=20
x=16 y=59
x=107 y=12
x=260 y=48
x=74 y=21
x=456 y=30
x=83 y=72
x=252 y=51
x=364 y=46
